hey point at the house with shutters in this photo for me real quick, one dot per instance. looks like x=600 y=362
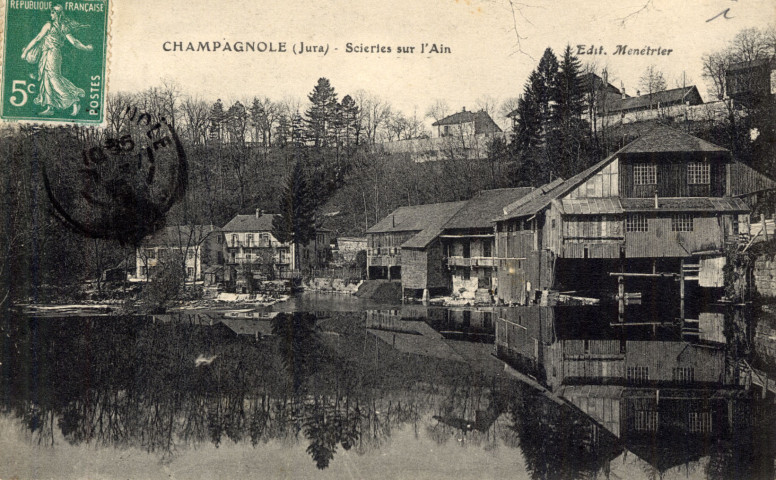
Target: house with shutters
x=662 y=200
x=249 y=245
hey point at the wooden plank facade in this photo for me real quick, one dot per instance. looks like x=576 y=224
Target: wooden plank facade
x=424 y=268
x=665 y=195
x=531 y=338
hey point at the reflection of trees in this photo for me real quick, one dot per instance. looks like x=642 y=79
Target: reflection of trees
x=130 y=382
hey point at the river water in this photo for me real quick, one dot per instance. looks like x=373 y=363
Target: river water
x=337 y=387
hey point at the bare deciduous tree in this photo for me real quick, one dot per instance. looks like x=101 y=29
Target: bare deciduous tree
x=652 y=81
x=374 y=113
x=487 y=103
x=195 y=113
x=438 y=110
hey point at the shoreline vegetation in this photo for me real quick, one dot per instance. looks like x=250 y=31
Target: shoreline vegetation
x=250 y=154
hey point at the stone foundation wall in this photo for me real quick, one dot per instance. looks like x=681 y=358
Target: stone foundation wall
x=765 y=276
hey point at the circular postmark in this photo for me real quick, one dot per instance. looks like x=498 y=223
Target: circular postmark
x=114 y=184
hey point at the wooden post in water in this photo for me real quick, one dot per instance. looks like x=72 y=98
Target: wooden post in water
x=621 y=298
x=681 y=291
x=765 y=386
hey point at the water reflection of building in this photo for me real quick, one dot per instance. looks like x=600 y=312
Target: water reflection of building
x=561 y=351
x=453 y=335
x=647 y=385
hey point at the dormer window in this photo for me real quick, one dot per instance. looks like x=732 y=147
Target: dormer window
x=698 y=173
x=645 y=174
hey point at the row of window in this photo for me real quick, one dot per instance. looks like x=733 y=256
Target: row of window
x=640 y=374
x=263 y=238
x=680 y=222
x=638 y=222
x=698 y=173
x=697 y=422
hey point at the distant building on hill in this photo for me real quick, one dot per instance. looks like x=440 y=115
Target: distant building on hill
x=751 y=81
x=466 y=123
x=655 y=101
x=462 y=135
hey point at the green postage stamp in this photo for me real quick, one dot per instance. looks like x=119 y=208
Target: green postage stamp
x=54 y=60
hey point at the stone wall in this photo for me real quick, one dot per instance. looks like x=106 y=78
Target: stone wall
x=765 y=276
x=334 y=285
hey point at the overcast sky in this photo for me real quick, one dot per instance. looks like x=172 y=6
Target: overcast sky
x=484 y=61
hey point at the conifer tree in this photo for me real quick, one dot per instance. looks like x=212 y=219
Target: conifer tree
x=534 y=121
x=320 y=118
x=568 y=91
x=298 y=134
x=217 y=119
x=569 y=134
x=349 y=115
x=283 y=132
x=544 y=85
x=296 y=222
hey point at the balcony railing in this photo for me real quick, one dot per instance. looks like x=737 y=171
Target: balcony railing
x=471 y=261
x=259 y=244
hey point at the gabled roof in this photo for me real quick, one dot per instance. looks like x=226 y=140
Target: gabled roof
x=744 y=180
x=483 y=123
x=591 y=82
x=416 y=217
x=250 y=223
x=180 y=235
x=666 y=97
x=658 y=139
x=544 y=195
x=480 y=210
x=663 y=139
x=458 y=118
x=528 y=202
x=425 y=220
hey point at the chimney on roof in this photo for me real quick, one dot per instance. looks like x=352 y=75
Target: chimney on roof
x=463 y=109
x=638 y=93
x=622 y=89
x=393 y=221
x=258 y=212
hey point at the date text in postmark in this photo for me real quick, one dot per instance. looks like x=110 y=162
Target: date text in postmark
x=118 y=185
x=54 y=60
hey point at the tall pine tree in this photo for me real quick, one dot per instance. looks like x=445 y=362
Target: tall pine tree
x=569 y=134
x=568 y=93
x=534 y=122
x=296 y=222
x=349 y=118
x=321 y=117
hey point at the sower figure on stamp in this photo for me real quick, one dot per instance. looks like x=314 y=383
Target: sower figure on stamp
x=55 y=91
